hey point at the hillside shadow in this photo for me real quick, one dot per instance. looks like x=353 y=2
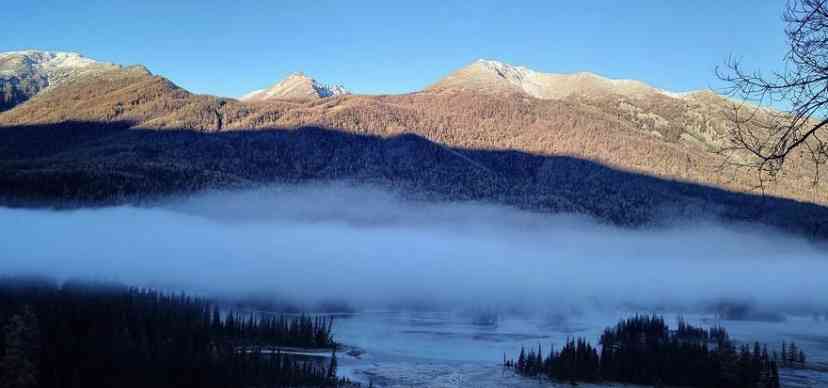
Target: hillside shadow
x=92 y=164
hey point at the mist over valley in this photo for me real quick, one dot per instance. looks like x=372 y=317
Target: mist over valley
x=434 y=194
x=288 y=241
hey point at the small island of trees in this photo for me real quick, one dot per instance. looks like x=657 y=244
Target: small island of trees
x=643 y=350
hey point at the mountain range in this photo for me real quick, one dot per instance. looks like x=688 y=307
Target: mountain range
x=77 y=131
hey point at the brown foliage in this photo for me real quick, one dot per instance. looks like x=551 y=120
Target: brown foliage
x=666 y=137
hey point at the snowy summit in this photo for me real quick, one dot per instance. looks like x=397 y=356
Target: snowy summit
x=494 y=76
x=296 y=86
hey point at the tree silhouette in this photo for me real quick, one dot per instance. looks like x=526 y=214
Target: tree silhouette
x=643 y=350
x=762 y=140
x=107 y=335
x=21 y=340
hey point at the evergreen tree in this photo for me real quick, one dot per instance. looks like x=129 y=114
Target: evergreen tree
x=643 y=350
x=19 y=365
x=774 y=381
x=521 y=362
x=332 y=366
x=793 y=354
x=98 y=335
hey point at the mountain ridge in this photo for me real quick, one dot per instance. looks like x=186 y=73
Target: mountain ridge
x=297 y=85
x=495 y=76
x=647 y=133
x=25 y=73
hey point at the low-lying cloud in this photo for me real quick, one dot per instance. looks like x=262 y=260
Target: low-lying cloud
x=369 y=247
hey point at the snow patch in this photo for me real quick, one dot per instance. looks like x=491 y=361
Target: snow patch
x=47 y=62
x=552 y=85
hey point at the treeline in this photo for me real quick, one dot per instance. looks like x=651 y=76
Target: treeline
x=95 y=335
x=577 y=361
x=643 y=350
x=791 y=356
x=253 y=329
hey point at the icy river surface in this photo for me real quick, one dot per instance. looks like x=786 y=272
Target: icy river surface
x=440 y=349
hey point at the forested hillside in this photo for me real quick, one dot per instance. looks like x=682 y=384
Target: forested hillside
x=126 y=135
x=107 y=335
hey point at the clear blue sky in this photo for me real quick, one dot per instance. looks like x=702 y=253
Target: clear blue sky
x=230 y=47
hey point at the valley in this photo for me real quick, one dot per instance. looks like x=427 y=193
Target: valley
x=620 y=151
x=432 y=194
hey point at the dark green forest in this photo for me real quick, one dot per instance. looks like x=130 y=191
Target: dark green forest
x=644 y=350
x=80 y=334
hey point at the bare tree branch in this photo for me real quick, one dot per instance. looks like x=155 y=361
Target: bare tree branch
x=767 y=138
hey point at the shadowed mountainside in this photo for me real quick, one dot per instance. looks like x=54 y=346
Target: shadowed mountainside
x=650 y=133
x=91 y=163
x=630 y=157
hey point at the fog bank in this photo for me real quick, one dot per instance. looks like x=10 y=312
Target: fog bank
x=370 y=248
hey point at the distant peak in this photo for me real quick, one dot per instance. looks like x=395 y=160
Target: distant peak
x=54 y=59
x=491 y=63
x=488 y=61
x=488 y=75
x=40 y=70
x=296 y=85
x=45 y=53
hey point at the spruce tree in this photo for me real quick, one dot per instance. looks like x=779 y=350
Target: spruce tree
x=521 y=362
x=19 y=364
x=793 y=353
x=332 y=366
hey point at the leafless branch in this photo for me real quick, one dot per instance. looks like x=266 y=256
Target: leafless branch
x=765 y=138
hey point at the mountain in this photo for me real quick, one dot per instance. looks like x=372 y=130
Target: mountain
x=296 y=86
x=23 y=74
x=627 y=155
x=497 y=77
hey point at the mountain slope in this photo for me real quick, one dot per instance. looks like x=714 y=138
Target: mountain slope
x=296 y=86
x=624 y=157
x=23 y=74
x=497 y=77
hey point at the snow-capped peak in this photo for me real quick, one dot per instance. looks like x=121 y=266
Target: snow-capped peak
x=14 y=62
x=492 y=75
x=506 y=70
x=296 y=86
x=30 y=72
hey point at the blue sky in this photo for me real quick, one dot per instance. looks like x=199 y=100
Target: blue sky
x=231 y=47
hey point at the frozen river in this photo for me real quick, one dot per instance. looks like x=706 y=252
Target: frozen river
x=439 y=349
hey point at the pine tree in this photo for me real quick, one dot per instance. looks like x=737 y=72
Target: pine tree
x=643 y=350
x=539 y=360
x=774 y=375
x=19 y=364
x=521 y=362
x=793 y=353
x=332 y=366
